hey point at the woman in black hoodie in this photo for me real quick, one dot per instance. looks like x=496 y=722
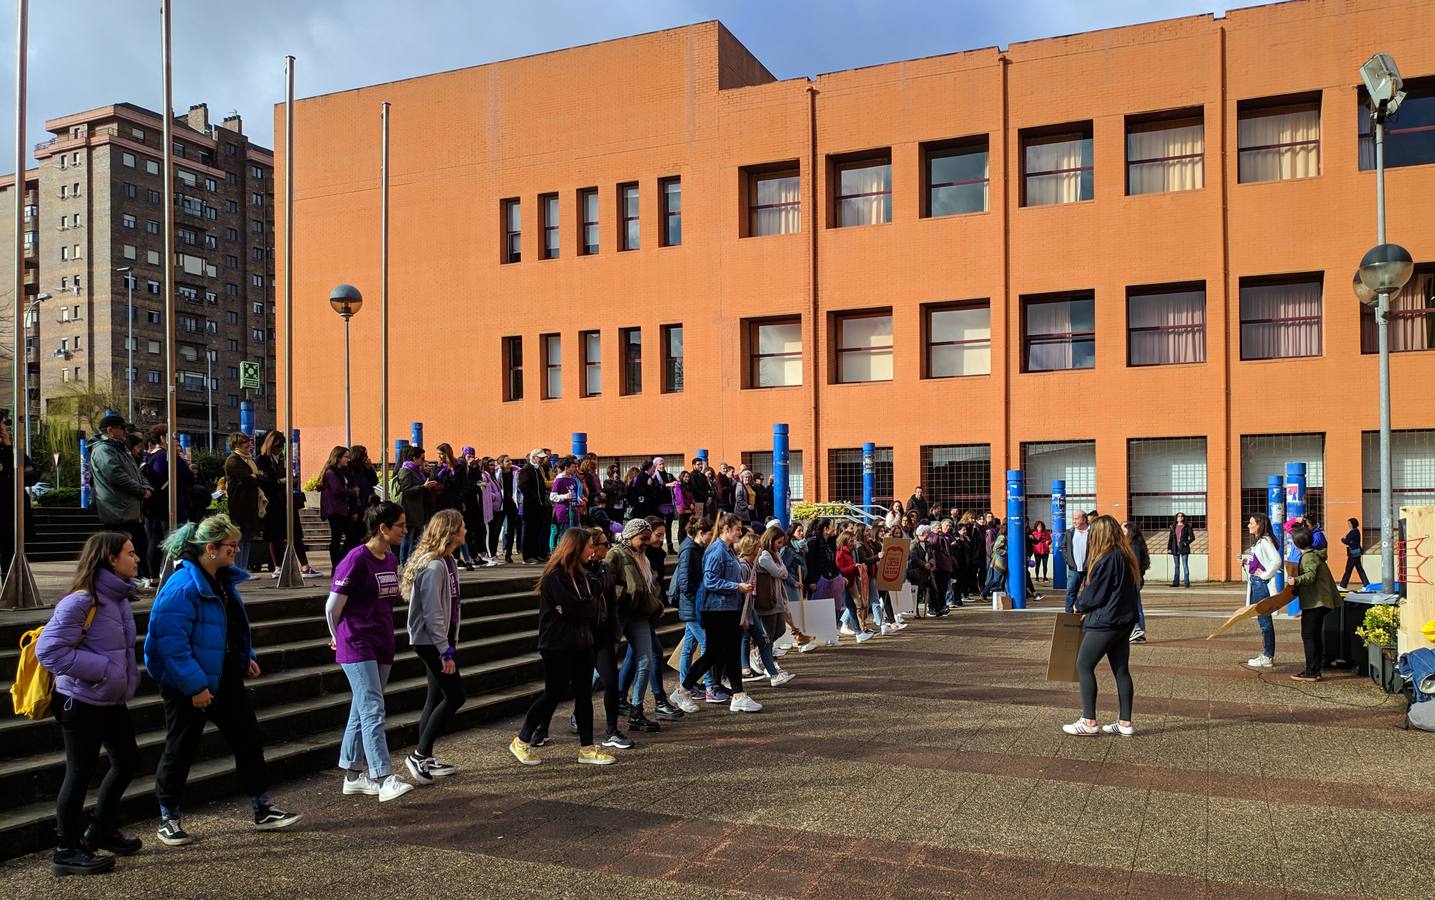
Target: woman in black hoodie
x=1109 y=599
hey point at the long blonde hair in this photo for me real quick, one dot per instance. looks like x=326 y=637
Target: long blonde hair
x=432 y=545
x=1104 y=536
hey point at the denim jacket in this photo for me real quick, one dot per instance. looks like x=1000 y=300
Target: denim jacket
x=721 y=576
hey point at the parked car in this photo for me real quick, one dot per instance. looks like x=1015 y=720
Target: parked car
x=39 y=489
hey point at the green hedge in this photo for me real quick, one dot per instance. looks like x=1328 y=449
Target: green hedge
x=60 y=497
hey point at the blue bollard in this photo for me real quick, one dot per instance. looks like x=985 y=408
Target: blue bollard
x=781 y=477
x=1058 y=535
x=1016 y=537
x=1276 y=510
x=580 y=444
x=869 y=472
x=1295 y=506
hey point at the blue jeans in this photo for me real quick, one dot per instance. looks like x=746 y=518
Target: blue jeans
x=849 y=611
x=1180 y=562
x=653 y=673
x=364 y=740
x=641 y=660
x=1073 y=587
x=758 y=632
x=241 y=558
x=693 y=637
x=411 y=539
x=1140 y=614
x=1260 y=591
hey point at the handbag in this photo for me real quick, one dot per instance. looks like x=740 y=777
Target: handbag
x=829 y=588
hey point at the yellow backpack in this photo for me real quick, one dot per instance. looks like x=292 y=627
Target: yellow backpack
x=34 y=685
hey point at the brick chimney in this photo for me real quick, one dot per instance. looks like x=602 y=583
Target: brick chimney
x=198 y=117
x=233 y=123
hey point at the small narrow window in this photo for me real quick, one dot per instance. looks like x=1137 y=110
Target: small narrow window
x=628 y=233
x=512 y=231
x=548 y=203
x=631 y=342
x=670 y=196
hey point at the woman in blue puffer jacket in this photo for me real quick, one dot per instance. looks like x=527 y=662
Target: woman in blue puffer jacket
x=198 y=649
x=89 y=646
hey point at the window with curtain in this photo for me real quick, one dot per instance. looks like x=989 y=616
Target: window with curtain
x=552 y=366
x=1280 y=319
x=1165 y=156
x=1057 y=167
x=957 y=179
x=1278 y=143
x=549 y=204
x=864 y=192
x=774 y=204
x=775 y=353
x=592 y=346
x=1409 y=135
x=959 y=339
x=1411 y=316
x=864 y=347
x=1059 y=332
x=588 y=212
x=512 y=231
x=1166 y=326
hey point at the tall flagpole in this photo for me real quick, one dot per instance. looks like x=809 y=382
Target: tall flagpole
x=384 y=302
x=289 y=575
x=171 y=411
x=19 y=591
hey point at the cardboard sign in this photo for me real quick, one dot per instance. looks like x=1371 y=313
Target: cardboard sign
x=1001 y=601
x=817 y=618
x=1065 y=642
x=677 y=654
x=892 y=569
x=905 y=600
x=1265 y=607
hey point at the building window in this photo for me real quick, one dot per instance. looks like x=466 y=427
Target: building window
x=512 y=219
x=131 y=190
x=232 y=401
x=127 y=221
x=1165 y=154
x=957 y=177
x=1057 y=165
x=128 y=251
x=1264 y=455
x=512 y=368
x=1071 y=461
x=1058 y=332
x=127 y=160
x=1277 y=140
x=1166 y=325
x=844 y=475
x=1412 y=476
x=630 y=342
x=774 y=203
x=628 y=232
x=958 y=339
x=152 y=376
x=670 y=212
x=552 y=345
x=774 y=353
x=760 y=462
x=1410 y=135
x=231 y=318
x=864 y=346
x=548 y=209
x=959 y=476
x=591 y=345
x=151 y=167
x=864 y=190
x=588 y=214
x=152 y=196
x=1280 y=318
x=257 y=335
x=151 y=287
x=672 y=336
x=1411 y=315
x=1166 y=476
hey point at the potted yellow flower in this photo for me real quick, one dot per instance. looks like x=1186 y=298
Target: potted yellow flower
x=1381 y=624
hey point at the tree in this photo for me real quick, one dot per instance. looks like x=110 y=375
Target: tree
x=85 y=403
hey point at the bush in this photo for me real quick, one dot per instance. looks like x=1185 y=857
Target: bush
x=1380 y=625
x=312 y=484
x=208 y=466
x=59 y=497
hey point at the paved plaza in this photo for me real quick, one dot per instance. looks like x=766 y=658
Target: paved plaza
x=924 y=764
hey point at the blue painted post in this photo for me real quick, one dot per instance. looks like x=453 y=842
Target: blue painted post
x=1016 y=537
x=399 y=445
x=294 y=457
x=703 y=455
x=1276 y=509
x=781 y=479
x=1058 y=535
x=246 y=417
x=1295 y=506
x=185 y=441
x=416 y=434
x=84 y=472
x=869 y=472
x=580 y=444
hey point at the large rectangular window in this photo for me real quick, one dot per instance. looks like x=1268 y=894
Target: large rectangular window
x=588 y=215
x=864 y=346
x=959 y=339
x=1071 y=461
x=957 y=178
x=1280 y=318
x=672 y=336
x=591 y=344
x=1411 y=316
x=1264 y=455
x=1166 y=476
x=1412 y=478
x=760 y=461
x=1058 y=332
x=629 y=236
x=512 y=231
x=1166 y=325
x=630 y=344
x=864 y=191
x=958 y=476
x=844 y=475
x=670 y=212
x=548 y=204
x=1409 y=135
x=512 y=368
x=1277 y=140
x=774 y=203
x=552 y=366
x=1057 y=165
x=775 y=353
x=1165 y=154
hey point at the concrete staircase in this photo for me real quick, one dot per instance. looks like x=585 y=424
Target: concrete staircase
x=60 y=532
x=302 y=699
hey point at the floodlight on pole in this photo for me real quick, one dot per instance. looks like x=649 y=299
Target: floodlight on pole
x=1386 y=268
x=1383 y=84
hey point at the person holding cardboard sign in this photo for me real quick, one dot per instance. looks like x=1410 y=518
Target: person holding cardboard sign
x=1262 y=565
x=1108 y=600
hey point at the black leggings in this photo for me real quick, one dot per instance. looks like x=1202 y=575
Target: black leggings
x=565 y=672
x=1041 y=559
x=340 y=533
x=605 y=661
x=184 y=723
x=85 y=728
x=445 y=697
x=1354 y=564
x=1114 y=644
x=723 y=649
x=1312 y=635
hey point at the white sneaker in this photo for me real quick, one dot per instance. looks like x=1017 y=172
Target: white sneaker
x=1118 y=728
x=1082 y=728
x=845 y=630
x=393 y=787
x=145 y=584
x=865 y=636
x=779 y=652
x=889 y=629
x=808 y=647
x=900 y=626
x=744 y=703
x=1261 y=662
x=682 y=698
x=754 y=661
x=781 y=678
x=363 y=784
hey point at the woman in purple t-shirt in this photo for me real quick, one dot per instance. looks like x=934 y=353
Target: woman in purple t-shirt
x=360 y=612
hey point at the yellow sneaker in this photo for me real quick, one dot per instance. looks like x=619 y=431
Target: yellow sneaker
x=594 y=757
x=524 y=754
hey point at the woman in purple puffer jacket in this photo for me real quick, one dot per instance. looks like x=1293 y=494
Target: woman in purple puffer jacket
x=96 y=674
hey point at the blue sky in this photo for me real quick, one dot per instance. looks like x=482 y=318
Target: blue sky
x=86 y=53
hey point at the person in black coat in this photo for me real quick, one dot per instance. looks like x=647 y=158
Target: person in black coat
x=1109 y=601
x=537 y=508
x=917 y=503
x=1354 y=550
x=506 y=517
x=701 y=488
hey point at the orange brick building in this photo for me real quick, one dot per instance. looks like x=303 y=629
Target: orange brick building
x=1121 y=257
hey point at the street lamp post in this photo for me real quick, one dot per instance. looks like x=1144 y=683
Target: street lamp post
x=209 y=387
x=31 y=313
x=346 y=301
x=129 y=273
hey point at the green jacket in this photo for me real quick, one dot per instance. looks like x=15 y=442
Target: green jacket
x=1314 y=586
x=119 y=487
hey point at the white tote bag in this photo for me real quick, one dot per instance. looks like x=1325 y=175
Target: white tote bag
x=905 y=600
x=817 y=618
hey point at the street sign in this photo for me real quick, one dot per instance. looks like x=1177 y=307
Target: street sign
x=249 y=375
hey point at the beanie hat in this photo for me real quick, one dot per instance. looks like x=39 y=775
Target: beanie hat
x=635 y=527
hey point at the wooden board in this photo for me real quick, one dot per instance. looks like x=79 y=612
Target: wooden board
x=1418 y=607
x=1266 y=607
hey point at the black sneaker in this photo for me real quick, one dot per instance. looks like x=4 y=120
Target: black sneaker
x=171 y=834
x=539 y=740
x=112 y=840
x=639 y=722
x=419 y=768
x=439 y=769
x=624 y=707
x=573 y=723
x=272 y=818
x=79 y=861
x=666 y=710
x=618 y=740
